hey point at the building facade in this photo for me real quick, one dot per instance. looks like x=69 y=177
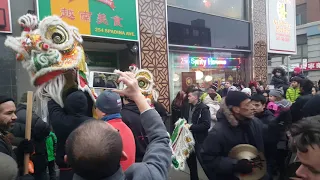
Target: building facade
x=182 y=42
x=308 y=42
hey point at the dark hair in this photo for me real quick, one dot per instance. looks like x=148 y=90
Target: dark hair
x=94 y=150
x=259 y=98
x=305 y=133
x=306 y=85
x=197 y=92
x=179 y=98
x=296 y=79
x=190 y=89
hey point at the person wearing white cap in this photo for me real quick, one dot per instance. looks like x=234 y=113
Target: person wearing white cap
x=247 y=91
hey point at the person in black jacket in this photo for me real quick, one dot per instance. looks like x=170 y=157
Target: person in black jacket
x=199 y=120
x=131 y=117
x=64 y=121
x=279 y=79
x=268 y=119
x=39 y=131
x=236 y=125
x=7 y=119
x=305 y=95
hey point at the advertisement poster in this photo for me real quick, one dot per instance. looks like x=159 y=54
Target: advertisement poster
x=116 y=19
x=5 y=17
x=281 y=22
x=188 y=79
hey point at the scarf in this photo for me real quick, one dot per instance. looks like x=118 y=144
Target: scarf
x=111 y=116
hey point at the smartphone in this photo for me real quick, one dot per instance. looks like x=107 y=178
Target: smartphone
x=103 y=80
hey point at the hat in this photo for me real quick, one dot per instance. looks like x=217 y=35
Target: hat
x=109 y=102
x=8 y=167
x=296 y=79
x=247 y=91
x=234 y=98
x=297 y=70
x=276 y=92
x=4 y=99
x=233 y=88
x=214 y=86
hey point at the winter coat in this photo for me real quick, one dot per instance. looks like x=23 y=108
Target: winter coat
x=213 y=105
x=131 y=117
x=297 y=107
x=312 y=108
x=200 y=122
x=157 y=159
x=292 y=94
x=226 y=134
x=65 y=120
x=298 y=75
x=175 y=113
x=279 y=82
x=51 y=143
x=279 y=106
x=39 y=132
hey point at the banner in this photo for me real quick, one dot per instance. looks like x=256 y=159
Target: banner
x=5 y=17
x=312 y=66
x=115 y=19
x=281 y=22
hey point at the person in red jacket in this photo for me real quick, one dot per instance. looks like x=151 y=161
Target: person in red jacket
x=108 y=108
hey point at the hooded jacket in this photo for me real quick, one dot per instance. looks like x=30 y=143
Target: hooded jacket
x=226 y=134
x=213 y=105
x=64 y=121
x=131 y=117
x=279 y=81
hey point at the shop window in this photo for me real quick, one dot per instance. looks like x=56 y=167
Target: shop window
x=206 y=30
x=302 y=51
x=227 y=8
x=201 y=69
x=301 y=14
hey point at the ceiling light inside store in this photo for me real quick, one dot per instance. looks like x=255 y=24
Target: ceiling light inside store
x=199 y=75
x=176 y=77
x=208 y=78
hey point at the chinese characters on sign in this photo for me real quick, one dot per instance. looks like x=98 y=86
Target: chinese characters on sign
x=104 y=18
x=281 y=21
x=312 y=66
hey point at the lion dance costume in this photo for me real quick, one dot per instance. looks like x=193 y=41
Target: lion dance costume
x=47 y=49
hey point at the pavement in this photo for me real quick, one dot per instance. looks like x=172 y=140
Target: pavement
x=185 y=175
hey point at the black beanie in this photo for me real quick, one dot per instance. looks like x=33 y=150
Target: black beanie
x=235 y=98
x=4 y=99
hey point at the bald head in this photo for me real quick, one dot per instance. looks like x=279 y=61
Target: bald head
x=94 y=150
x=8 y=167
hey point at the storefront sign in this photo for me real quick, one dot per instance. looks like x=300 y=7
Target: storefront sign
x=116 y=19
x=281 y=22
x=311 y=66
x=5 y=17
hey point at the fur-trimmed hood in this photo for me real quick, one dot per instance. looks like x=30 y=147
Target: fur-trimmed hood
x=225 y=111
x=282 y=71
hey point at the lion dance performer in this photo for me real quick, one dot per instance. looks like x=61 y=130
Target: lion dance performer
x=51 y=52
x=47 y=50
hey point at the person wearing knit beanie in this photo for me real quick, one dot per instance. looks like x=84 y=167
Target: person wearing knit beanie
x=108 y=108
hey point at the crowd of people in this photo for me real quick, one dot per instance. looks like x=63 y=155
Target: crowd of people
x=256 y=114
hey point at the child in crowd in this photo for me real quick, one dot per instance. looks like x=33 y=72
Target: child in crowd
x=277 y=102
x=51 y=143
x=293 y=91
